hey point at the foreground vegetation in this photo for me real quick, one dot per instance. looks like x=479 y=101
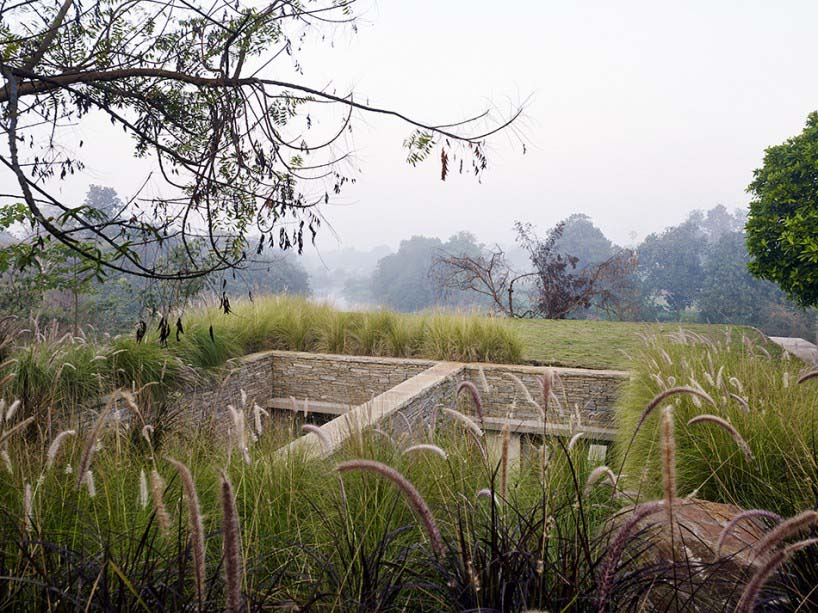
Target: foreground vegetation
x=760 y=396
x=308 y=535
x=130 y=512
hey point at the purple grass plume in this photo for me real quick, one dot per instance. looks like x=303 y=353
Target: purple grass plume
x=414 y=498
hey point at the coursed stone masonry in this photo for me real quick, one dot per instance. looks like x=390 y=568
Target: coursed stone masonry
x=351 y=381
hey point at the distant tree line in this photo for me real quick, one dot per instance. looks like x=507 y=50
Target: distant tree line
x=692 y=272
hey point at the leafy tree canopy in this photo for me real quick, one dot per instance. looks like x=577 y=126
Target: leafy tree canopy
x=583 y=240
x=239 y=152
x=670 y=263
x=782 y=228
x=404 y=280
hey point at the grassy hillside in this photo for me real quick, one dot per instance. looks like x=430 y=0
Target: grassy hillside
x=598 y=344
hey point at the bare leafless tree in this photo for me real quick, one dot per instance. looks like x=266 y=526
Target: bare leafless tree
x=241 y=154
x=555 y=288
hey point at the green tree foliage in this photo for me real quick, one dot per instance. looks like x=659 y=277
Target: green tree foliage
x=582 y=239
x=26 y=278
x=403 y=281
x=730 y=294
x=670 y=265
x=782 y=228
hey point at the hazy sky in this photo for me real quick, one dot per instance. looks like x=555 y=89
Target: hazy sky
x=639 y=111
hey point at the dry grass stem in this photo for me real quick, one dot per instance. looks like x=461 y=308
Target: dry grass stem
x=668 y=463
x=257 y=413
x=504 y=463
x=484 y=383
x=54 y=447
x=547 y=384
x=471 y=388
x=18 y=428
x=598 y=473
x=737 y=519
x=4 y=455
x=27 y=523
x=746 y=603
x=487 y=493
x=806 y=377
x=143 y=489
x=427 y=447
x=157 y=493
x=617 y=547
x=12 y=410
x=574 y=440
x=784 y=530
x=524 y=390
x=414 y=498
x=466 y=421
x=669 y=392
x=196 y=528
x=325 y=441
x=90 y=444
x=88 y=479
x=742 y=403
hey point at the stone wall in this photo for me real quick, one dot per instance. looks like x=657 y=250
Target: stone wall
x=421 y=411
x=350 y=380
x=354 y=380
x=251 y=373
x=592 y=392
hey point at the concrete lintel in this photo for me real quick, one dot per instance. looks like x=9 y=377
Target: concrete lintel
x=535 y=426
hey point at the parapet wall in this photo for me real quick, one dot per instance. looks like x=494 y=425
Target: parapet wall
x=354 y=380
x=345 y=379
x=592 y=393
x=209 y=399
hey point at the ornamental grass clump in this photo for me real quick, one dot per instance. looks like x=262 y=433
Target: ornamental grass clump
x=759 y=452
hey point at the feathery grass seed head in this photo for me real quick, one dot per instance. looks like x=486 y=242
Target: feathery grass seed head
x=728 y=427
x=54 y=447
x=232 y=546
x=414 y=498
x=196 y=527
x=157 y=493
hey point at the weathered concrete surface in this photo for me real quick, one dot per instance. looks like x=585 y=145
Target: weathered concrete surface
x=798 y=347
